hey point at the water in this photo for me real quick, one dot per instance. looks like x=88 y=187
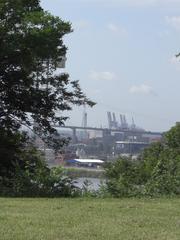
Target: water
x=94 y=183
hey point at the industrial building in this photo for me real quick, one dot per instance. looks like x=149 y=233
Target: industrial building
x=119 y=138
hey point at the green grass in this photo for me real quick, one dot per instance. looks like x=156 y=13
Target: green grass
x=89 y=219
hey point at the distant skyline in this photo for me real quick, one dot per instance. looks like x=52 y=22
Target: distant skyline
x=123 y=53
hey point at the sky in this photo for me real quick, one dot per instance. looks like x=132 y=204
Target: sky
x=123 y=54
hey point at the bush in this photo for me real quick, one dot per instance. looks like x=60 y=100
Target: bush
x=24 y=172
x=155 y=173
x=165 y=177
x=122 y=177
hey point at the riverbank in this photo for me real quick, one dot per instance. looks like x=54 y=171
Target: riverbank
x=90 y=219
x=84 y=172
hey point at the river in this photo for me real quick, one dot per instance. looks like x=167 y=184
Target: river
x=93 y=183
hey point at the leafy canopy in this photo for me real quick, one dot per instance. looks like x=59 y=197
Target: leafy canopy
x=155 y=173
x=31 y=43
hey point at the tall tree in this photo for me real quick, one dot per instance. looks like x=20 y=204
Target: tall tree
x=31 y=43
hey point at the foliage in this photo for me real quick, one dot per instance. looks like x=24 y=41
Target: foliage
x=155 y=173
x=172 y=137
x=59 y=184
x=41 y=182
x=31 y=89
x=149 y=159
x=11 y=148
x=32 y=48
x=165 y=177
x=24 y=172
x=122 y=177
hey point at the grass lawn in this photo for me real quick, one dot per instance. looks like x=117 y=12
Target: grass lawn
x=85 y=219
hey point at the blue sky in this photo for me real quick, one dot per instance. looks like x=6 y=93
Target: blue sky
x=122 y=51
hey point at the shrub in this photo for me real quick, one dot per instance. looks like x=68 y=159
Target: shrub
x=122 y=177
x=165 y=177
x=155 y=173
x=24 y=172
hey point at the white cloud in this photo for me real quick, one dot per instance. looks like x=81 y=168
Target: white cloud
x=117 y=29
x=106 y=76
x=142 y=89
x=174 y=21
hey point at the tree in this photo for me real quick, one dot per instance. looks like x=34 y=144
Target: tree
x=165 y=176
x=172 y=137
x=121 y=177
x=149 y=159
x=156 y=172
x=31 y=43
x=12 y=146
x=24 y=171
